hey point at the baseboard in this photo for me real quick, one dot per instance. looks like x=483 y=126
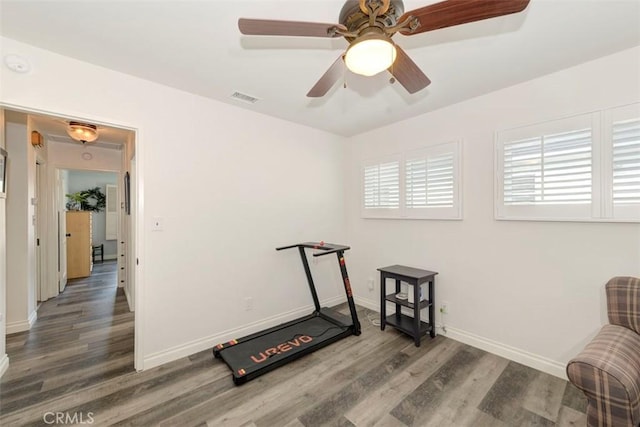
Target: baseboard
x=177 y=352
x=367 y=303
x=4 y=364
x=22 y=325
x=15 y=327
x=531 y=360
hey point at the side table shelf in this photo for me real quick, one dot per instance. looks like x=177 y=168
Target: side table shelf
x=415 y=277
x=404 y=323
x=403 y=302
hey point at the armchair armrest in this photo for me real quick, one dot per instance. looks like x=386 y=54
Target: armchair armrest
x=623 y=302
x=608 y=372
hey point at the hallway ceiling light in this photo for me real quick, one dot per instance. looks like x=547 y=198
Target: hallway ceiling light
x=82 y=132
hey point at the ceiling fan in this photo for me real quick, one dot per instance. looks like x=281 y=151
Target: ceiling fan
x=368 y=26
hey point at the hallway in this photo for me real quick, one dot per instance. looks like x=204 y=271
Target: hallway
x=81 y=338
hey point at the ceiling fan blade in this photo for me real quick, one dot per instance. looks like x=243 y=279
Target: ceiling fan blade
x=455 y=12
x=407 y=72
x=269 y=27
x=328 y=79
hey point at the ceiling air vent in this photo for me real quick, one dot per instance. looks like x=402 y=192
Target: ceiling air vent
x=244 y=97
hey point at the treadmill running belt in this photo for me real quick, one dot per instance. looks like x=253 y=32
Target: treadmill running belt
x=250 y=356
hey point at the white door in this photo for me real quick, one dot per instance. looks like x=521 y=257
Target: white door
x=61 y=185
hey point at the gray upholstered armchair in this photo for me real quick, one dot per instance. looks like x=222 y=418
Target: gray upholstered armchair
x=608 y=369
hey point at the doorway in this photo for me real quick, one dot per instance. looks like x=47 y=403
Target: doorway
x=51 y=179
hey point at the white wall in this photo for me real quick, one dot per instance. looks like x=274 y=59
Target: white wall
x=230 y=185
x=21 y=256
x=84 y=180
x=530 y=290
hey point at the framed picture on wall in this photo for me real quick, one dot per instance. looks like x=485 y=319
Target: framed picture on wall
x=3 y=173
x=127 y=193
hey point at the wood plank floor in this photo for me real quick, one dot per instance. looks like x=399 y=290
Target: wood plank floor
x=77 y=361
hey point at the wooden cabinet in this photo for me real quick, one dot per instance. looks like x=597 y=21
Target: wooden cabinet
x=79 y=230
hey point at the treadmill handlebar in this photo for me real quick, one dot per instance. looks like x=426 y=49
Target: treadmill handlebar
x=327 y=248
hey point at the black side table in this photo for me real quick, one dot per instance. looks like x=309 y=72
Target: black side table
x=415 y=277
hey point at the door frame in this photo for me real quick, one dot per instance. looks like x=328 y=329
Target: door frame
x=40 y=250
x=137 y=220
x=61 y=235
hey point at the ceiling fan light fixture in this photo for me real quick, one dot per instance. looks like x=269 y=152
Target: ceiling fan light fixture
x=83 y=132
x=370 y=54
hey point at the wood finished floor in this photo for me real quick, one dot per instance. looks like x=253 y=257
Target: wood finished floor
x=78 y=359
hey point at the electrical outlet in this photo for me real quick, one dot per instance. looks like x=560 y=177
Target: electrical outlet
x=444 y=307
x=248 y=304
x=371 y=284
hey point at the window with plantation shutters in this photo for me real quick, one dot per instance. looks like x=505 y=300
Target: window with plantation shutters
x=581 y=168
x=419 y=184
x=549 y=169
x=381 y=187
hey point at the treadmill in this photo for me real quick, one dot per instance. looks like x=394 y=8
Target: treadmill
x=261 y=352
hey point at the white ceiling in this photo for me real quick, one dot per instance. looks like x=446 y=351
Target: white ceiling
x=196 y=46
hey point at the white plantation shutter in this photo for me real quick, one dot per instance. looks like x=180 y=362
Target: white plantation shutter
x=440 y=180
x=551 y=169
x=522 y=170
x=382 y=185
x=626 y=161
x=580 y=168
x=429 y=182
x=416 y=183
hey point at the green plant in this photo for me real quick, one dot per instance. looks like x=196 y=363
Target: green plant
x=92 y=199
